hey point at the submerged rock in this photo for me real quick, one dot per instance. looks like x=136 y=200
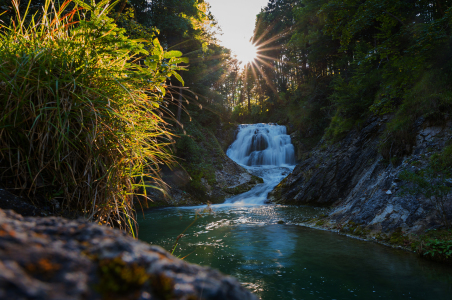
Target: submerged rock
x=56 y=258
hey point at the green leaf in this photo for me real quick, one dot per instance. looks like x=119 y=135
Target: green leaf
x=158 y=50
x=178 y=77
x=161 y=89
x=151 y=64
x=171 y=54
x=84 y=5
x=179 y=60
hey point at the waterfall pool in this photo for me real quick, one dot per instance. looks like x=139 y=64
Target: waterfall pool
x=266 y=249
x=287 y=261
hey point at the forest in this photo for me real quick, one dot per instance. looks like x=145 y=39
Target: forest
x=131 y=114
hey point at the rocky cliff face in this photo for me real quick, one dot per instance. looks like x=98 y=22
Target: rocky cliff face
x=360 y=186
x=56 y=258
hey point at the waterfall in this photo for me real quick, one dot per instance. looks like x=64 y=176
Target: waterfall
x=266 y=151
x=262 y=145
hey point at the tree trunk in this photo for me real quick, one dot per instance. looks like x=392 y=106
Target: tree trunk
x=122 y=5
x=249 y=102
x=179 y=106
x=440 y=8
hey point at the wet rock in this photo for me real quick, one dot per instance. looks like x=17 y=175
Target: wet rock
x=429 y=133
x=329 y=174
x=56 y=258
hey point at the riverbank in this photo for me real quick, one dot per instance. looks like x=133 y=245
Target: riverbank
x=428 y=245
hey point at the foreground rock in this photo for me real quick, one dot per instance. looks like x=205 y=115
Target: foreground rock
x=361 y=187
x=56 y=258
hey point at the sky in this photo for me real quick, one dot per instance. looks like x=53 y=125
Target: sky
x=236 y=18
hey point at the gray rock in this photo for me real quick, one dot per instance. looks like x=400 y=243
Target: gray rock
x=352 y=177
x=56 y=258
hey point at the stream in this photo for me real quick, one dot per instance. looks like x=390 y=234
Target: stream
x=265 y=247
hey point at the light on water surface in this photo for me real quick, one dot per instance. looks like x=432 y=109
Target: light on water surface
x=264 y=247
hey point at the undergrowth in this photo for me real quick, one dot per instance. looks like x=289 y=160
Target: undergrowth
x=431 y=99
x=201 y=156
x=436 y=245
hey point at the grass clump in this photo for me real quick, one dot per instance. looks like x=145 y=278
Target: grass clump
x=80 y=121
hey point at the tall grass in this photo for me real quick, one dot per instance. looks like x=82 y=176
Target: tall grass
x=80 y=119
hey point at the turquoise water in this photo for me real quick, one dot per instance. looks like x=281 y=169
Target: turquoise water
x=288 y=261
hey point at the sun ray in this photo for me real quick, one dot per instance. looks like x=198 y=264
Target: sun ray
x=275 y=38
x=269 y=48
x=257 y=41
x=268 y=81
x=266 y=31
x=266 y=63
x=261 y=57
x=253 y=70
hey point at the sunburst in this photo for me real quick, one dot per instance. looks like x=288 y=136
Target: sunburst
x=246 y=53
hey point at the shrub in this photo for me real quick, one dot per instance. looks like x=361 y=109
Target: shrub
x=80 y=119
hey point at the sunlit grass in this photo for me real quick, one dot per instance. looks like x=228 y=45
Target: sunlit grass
x=79 y=120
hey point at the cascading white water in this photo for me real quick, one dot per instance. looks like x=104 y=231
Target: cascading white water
x=266 y=151
x=262 y=145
